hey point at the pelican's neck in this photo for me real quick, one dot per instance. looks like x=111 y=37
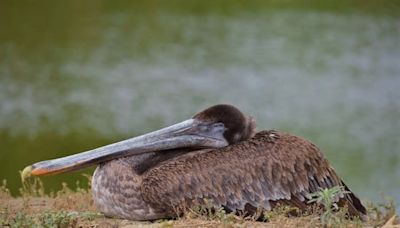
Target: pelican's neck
x=143 y=162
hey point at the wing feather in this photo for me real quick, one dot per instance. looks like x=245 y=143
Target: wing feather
x=269 y=168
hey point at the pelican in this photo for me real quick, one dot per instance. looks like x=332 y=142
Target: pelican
x=215 y=157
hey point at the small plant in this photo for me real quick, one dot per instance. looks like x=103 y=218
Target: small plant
x=32 y=187
x=21 y=220
x=77 y=198
x=4 y=218
x=58 y=219
x=225 y=217
x=89 y=215
x=4 y=191
x=326 y=197
x=209 y=212
x=280 y=210
x=205 y=210
x=166 y=224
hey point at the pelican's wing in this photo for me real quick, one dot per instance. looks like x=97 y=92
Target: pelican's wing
x=269 y=168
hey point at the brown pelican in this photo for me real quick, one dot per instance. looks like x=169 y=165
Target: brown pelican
x=216 y=156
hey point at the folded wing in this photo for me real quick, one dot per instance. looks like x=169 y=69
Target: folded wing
x=271 y=167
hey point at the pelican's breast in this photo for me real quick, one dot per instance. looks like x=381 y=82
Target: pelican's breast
x=116 y=192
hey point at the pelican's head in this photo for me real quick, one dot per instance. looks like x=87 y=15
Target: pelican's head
x=238 y=127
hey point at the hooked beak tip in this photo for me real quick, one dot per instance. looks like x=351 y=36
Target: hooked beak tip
x=29 y=171
x=26 y=173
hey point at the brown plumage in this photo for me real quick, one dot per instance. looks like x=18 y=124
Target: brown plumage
x=266 y=169
x=254 y=171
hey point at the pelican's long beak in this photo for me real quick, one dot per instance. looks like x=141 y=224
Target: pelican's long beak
x=189 y=133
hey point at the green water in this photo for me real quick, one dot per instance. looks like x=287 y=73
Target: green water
x=74 y=76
